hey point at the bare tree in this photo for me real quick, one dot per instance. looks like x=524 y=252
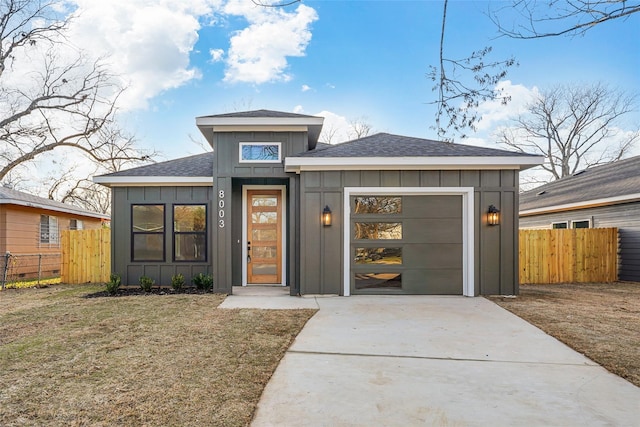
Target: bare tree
x=53 y=95
x=359 y=128
x=462 y=84
x=574 y=127
x=553 y=18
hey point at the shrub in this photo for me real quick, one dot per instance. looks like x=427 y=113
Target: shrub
x=113 y=284
x=146 y=283
x=177 y=282
x=203 y=282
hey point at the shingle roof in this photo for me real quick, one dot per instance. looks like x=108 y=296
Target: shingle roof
x=9 y=196
x=199 y=165
x=260 y=113
x=388 y=145
x=618 y=179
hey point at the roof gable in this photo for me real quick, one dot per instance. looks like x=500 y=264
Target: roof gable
x=612 y=183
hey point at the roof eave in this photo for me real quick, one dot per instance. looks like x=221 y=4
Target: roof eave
x=298 y=164
x=594 y=203
x=209 y=124
x=153 y=181
x=70 y=210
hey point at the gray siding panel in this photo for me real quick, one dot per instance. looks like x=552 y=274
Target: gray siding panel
x=161 y=272
x=495 y=269
x=625 y=217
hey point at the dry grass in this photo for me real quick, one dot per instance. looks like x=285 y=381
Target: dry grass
x=142 y=360
x=601 y=321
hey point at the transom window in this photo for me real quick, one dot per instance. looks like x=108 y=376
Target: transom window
x=260 y=152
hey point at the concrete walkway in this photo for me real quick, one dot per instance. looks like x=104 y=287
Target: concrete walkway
x=441 y=361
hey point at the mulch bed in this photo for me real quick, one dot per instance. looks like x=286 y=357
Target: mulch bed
x=137 y=291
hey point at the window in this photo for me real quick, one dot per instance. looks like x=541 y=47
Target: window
x=189 y=232
x=378 y=256
x=49 y=230
x=260 y=152
x=75 y=224
x=377 y=230
x=562 y=225
x=377 y=205
x=147 y=228
x=581 y=224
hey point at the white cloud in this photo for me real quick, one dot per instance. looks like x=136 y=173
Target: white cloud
x=146 y=42
x=306 y=88
x=493 y=112
x=216 y=55
x=258 y=54
x=336 y=128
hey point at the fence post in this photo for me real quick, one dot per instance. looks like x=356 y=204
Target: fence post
x=39 y=268
x=6 y=269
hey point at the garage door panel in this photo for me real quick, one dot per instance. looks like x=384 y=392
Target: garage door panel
x=432 y=281
x=442 y=255
x=416 y=249
x=433 y=206
x=434 y=230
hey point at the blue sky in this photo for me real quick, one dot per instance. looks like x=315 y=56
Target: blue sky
x=343 y=59
x=368 y=60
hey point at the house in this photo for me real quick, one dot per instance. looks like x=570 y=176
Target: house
x=30 y=226
x=384 y=214
x=597 y=197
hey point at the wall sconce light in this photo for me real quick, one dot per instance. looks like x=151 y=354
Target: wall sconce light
x=493 y=215
x=326 y=216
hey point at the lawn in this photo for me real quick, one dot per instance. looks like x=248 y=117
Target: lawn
x=137 y=360
x=601 y=321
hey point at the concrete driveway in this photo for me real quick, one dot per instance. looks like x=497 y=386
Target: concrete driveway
x=442 y=361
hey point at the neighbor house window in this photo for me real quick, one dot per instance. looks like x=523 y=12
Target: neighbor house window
x=49 y=230
x=581 y=224
x=260 y=152
x=189 y=232
x=562 y=225
x=147 y=229
x=75 y=224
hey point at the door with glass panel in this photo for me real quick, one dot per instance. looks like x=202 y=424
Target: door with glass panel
x=264 y=236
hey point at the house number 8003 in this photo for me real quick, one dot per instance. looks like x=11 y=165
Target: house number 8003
x=221 y=210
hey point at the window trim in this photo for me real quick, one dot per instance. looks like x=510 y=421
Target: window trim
x=256 y=144
x=204 y=233
x=164 y=234
x=53 y=239
x=566 y=223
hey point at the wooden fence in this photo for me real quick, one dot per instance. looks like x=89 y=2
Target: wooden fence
x=574 y=255
x=86 y=256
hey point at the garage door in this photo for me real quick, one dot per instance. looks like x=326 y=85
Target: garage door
x=410 y=244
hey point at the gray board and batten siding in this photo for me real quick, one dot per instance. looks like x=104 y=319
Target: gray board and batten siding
x=123 y=198
x=495 y=248
x=230 y=175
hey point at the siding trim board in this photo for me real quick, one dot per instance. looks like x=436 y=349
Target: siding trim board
x=468 y=220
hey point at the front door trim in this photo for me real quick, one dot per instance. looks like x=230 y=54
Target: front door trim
x=245 y=207
x=467 y=193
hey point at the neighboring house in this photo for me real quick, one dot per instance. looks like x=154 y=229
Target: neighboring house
x=31 y=225
x=598 y=197
x=401 y=215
